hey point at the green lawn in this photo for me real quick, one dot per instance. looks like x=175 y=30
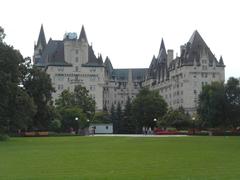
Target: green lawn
x=120 y=158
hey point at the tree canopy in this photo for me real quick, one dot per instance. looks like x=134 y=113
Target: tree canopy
x=38 y=85
x=219 y=104
x=147 y=106
x=77 y=104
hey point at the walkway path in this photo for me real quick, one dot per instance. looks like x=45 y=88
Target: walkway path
x=138 y=135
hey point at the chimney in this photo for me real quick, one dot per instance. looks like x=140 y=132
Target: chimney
x=182 y=49
x=169 y=56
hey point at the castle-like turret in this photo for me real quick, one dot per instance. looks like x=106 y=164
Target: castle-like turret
x=40 y=46
x=83 y=37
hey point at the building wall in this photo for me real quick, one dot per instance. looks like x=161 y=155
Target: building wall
x=67 y=77
x=117 y=91
x=185 y=84
x=101 y=128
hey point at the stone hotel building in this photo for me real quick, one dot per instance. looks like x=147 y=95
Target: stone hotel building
x=72 y=61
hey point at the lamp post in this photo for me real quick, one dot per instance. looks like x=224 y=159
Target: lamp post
x=193 y=118
x=155 y=124
x=76 y=119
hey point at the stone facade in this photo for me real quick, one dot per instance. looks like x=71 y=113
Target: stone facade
x=179 y=80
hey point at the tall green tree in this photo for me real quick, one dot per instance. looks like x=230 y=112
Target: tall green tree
x=14 y=101
x=79 y=103
x=24 y=111
x=84 y=101
x=147 y=106
x=119 y=116
x=212 y=105
x=38 y=85
x=113 y=118
x=232 y=96
x=128 y=123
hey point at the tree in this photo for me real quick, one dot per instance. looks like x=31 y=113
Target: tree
x=175 y=118
x=101 y=117
x=73 y=117
x=232 y=96
x=113 y=118
x=147 y=106
x=2 y=34
x=212 y=105
x=14 y=100
x=55 y=125
x=75 y=104
x=24 y=111
x=128 y=123
x=38 y=85
x=118 y=123
x=84 y=101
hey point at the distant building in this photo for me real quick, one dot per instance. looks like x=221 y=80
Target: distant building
x=72 y=61
x=100 y=128
x=180 y=80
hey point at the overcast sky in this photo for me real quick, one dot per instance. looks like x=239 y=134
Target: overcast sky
x=128 y=31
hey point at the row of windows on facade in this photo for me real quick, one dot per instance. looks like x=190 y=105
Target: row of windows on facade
x=61 y=68
x=205 y=67
x=121 y=89
x=120 y=95
x=204 y=75
x=61 y=87
x=61 y=78
x=176 y=101
x=115 y=102
x=168 y=88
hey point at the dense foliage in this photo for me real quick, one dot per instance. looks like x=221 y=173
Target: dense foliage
x=25 y=92
x=147 y=106
x=219 y=105
x=75 y=108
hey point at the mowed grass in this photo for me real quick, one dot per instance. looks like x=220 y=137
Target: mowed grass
x=120 y=158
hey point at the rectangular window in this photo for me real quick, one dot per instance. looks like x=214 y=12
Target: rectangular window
x=61 y=69
x=60 y=78
x=76 y=59
x=60 y=86
x=76 y=68
x=76 y=51
x=92 y=88
x=92 y=70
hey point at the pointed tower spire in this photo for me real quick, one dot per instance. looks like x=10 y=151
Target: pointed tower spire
x=221 y=61
x=162 y=55
x=162 y=46
x=41 y=38
x=83 y=35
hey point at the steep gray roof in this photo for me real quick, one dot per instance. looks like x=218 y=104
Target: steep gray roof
x=158 y=65
x=93 y=61
x=53 y=54
x=108 y=67
x=195 y=46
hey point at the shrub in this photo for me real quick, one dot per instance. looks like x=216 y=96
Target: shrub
x=4 y=137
